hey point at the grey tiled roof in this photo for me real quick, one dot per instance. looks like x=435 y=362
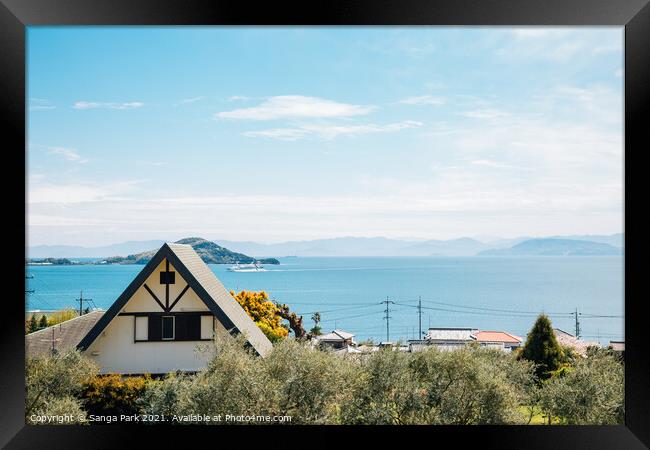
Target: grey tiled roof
x=220 y=295
x=452 y=334
x=336 y=335
x=569 y=340
x=65 y=335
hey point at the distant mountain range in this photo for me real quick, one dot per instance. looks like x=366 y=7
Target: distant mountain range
x=352 y=246
x=75 y=251
x=555 y=247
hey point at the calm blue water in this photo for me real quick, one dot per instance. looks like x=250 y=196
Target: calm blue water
x=461 y=291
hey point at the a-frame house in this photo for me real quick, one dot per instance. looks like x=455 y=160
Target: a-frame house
x=173 y=304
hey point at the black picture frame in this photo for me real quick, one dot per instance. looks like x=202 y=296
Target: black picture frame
x=634 y=15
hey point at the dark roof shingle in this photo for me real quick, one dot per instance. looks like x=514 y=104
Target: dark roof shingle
x=66 y=335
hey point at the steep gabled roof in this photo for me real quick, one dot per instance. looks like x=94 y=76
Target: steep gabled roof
x=204 y=283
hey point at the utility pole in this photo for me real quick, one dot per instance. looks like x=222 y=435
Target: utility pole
x=577 y=323
x=387 y=318
x=53 y=340
x=29 y=291
x=81 y=302
x=420 y=317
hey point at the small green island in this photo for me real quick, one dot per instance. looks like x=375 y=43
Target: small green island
x=209 y=251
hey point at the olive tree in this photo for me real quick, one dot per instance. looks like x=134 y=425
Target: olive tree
x=384 y=391
x=307 y=383
x=591 y=392
x=52 y=383
x=472 y=385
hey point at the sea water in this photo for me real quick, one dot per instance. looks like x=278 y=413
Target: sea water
x=488 y=293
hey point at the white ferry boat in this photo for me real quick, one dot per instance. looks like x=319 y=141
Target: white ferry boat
x=255 y=267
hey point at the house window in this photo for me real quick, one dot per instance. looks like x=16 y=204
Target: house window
x=168 y=327
x=167 y=277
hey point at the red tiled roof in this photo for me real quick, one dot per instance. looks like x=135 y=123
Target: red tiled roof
x=497 y=336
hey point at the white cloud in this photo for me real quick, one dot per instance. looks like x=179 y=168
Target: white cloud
x=67 y=153
x=40 y=104
x=458 y=203
x=537 y=32
x=152 y=163
x=107 y=105
x=191 y=100
x=609 y=48
x=295 y=107
x=238 y=98
x=588 y=104
x=331 y=131
x=618 y=73
x=555 y=44
x=486 y=113
x=71 y=193
x=284 y=134
x=489 y=163
x=424 y=100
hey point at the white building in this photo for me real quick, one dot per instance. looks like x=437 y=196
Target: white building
x=157 y=325
x=455 y=338
x=337 y=339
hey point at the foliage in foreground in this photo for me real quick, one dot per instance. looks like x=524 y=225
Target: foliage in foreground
x=591 y=392
x=472 y=385
x=52 y=384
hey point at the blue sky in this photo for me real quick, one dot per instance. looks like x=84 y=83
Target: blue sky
x=272 y=134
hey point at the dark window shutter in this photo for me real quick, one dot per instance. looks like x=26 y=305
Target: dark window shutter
x=155 y=328
x=194 y=327
x=181 y=328
x=188 y=327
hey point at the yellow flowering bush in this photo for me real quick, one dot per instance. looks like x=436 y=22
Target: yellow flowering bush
x=263 y=312
x=114 y=394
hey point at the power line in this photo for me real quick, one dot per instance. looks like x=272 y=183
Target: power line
x=351 y=317
x=514 y=311
x=594 y=316
x=367 y=305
